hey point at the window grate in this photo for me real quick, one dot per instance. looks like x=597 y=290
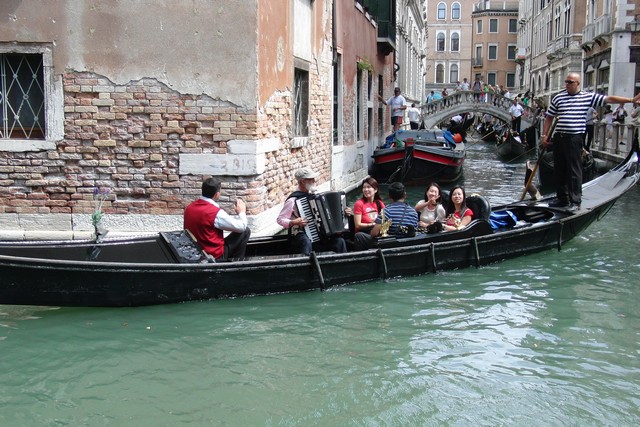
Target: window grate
x=22 y=109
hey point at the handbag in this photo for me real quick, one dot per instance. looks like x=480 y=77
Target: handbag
x=434 y=227
x=405 y=230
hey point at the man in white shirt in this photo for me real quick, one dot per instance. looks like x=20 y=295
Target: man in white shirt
x=397 y=104
x=414 y=117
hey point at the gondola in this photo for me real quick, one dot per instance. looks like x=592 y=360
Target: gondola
x=420 y=155
x=462 y=125
x=489 y=132
x=510 y=146
x=171 y=268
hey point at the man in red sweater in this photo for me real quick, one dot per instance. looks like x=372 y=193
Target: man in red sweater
x=207 y=222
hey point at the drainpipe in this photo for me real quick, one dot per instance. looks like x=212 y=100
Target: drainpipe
x=396 y=68
x=333 y=32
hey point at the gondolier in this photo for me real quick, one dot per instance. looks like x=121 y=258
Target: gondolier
x=516 y=111
x=570 y=106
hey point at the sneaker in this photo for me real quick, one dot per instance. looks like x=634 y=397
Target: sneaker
x=574 y=206
x=559 y=204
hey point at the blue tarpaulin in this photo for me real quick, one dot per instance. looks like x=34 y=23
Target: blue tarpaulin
x=502 y=219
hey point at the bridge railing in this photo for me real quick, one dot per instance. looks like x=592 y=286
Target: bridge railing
x=615 y=138
x=475 y=101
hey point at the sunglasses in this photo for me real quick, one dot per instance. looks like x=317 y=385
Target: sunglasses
x=570 y=82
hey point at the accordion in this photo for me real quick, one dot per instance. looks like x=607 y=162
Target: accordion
x=324 y=214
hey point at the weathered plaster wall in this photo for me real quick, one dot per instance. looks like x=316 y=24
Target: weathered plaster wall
x=275 y=64
x=159 y=94
x=194 y=47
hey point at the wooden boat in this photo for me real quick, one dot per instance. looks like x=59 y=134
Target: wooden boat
x=462 y=126
x=171 y=268
x=510 y=146
x=420 y=155
x=546 y=169
x=489 y=132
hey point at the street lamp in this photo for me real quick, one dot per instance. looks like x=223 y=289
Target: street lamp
x=634 y=26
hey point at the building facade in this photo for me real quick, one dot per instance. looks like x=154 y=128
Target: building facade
x=448 y=44
x=494 y=43
x=554 y=45
x=96 y=100
x=597 y=38
x=611 y=45
x=410 y=52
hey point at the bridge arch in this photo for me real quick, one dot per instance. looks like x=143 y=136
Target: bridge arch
x=479 y=103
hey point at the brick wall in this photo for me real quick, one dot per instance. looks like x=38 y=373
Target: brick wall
x=127 y=139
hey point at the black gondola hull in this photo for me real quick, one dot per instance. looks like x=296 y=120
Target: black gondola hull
x=163 y=269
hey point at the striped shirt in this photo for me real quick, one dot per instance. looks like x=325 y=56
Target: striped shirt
x=572 y=110
x=399 y=213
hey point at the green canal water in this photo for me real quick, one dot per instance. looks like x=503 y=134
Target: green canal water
x=551 y=339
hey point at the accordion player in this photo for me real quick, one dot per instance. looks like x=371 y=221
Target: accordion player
x=324 y=214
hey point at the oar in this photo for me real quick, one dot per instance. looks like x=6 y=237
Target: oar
x=535 y=167
x=533 y=173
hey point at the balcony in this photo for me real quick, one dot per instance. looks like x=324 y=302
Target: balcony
x=589 y=33
x=496 y=5
x=603 y=25
x=386 y=37
x=384 y=14
x=559 y=46
x=521 y=55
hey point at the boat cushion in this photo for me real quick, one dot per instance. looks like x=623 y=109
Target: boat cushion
x=185 y=248
x=480 y=206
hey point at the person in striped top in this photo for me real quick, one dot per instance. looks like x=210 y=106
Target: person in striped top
x=570 y=107
x=399 y=212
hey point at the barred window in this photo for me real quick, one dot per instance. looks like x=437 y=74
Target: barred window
x=22 y=96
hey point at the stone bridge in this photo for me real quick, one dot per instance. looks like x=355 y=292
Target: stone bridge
x=477 y=102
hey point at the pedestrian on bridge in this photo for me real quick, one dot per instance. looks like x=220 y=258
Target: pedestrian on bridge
x=570 y=108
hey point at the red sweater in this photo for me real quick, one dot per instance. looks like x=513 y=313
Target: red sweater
x=199 y=217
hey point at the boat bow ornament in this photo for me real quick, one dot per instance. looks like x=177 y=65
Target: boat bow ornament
x=478 y=102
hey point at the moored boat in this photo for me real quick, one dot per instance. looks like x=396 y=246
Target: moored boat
x=420 y=155
x=170 y=267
